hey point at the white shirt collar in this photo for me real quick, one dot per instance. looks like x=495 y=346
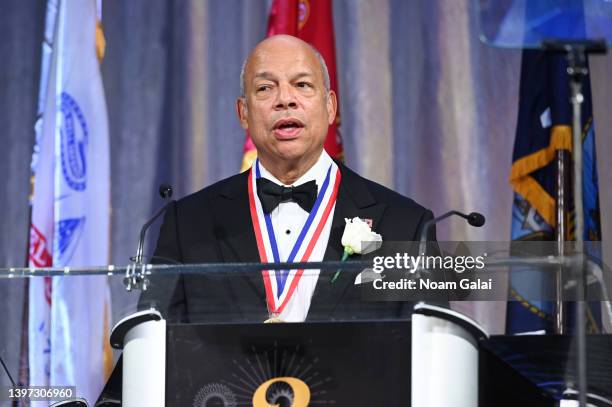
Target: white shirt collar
x=317 y=172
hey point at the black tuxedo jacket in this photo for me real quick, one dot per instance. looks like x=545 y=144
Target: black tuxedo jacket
x=214 y=225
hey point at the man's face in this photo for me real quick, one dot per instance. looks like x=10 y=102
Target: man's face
x=286 y=108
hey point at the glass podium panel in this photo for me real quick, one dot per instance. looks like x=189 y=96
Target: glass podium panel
x=368 y=287
x=528 y=23
x=373 y=294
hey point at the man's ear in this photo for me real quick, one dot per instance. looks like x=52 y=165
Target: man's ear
x=242 y=110
x=332 y=106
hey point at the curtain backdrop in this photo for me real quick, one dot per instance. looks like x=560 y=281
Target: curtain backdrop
x=426 y=109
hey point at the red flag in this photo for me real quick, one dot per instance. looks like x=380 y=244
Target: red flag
x=311 y=21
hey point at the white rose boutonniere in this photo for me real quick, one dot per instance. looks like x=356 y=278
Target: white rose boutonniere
x=358 y=238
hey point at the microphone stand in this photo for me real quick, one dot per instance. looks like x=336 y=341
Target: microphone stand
x=136 y=270
x=474 y=219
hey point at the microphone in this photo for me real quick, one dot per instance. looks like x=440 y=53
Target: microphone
x=474 y=219
x=135 y=272
x=165 y=191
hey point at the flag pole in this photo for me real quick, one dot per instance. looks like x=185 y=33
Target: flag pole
x=576 y=57
x=561 y=236
x=576 y=53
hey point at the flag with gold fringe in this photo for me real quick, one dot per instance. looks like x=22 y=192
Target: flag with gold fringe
x=543 y=129
x=69 y=316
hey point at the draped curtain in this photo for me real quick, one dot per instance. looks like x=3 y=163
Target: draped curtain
x=426 y=109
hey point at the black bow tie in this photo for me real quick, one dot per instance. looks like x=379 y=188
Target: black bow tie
x=271 y=194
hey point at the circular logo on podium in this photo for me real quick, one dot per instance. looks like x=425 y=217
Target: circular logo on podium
x=215 y=395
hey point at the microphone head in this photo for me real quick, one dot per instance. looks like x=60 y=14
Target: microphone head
x=476 y=219
x=165 y=191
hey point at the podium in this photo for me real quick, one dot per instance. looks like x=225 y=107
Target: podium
x=350 y=349
x=360 y=362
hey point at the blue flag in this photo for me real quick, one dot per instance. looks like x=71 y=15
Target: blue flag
x=543 y=128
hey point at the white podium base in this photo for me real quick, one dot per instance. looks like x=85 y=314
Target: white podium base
x=143 y=338
x=444 y=358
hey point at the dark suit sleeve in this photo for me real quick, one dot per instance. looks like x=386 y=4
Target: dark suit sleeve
x=166 y=293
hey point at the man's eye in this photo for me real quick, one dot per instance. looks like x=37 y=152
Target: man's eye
x=263 y=88
x=304 y=85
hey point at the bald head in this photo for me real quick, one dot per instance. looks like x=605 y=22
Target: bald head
x=287 y=106
x=282 y=41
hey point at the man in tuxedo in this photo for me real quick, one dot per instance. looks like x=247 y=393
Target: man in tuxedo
x=290 y=206
x=294 y=192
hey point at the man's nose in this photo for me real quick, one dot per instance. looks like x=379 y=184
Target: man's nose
x=286 y=97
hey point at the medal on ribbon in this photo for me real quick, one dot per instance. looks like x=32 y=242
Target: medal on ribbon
x=280 y=285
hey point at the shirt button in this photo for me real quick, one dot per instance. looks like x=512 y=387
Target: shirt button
x=288 y=231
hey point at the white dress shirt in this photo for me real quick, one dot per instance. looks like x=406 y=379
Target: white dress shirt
x=287 y=219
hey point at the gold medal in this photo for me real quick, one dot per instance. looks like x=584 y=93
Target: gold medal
x=273 y=320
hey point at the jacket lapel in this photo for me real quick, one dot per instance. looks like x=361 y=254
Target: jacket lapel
x=233 y=227
x=354 y=200
x=235 y=236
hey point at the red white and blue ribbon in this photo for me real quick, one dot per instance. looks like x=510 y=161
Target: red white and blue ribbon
x=280 y=285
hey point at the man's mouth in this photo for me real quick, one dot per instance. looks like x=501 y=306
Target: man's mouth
x=286 y=129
